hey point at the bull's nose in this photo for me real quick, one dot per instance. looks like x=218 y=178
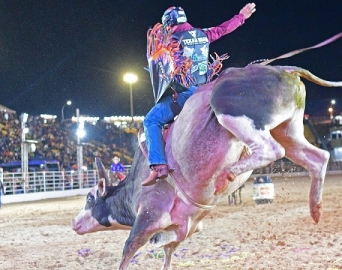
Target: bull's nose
x=74 y=225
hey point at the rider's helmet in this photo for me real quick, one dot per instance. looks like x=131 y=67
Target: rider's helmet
x=173 y=16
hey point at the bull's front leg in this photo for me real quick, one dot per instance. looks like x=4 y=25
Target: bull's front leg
x=169 y=250
x=146 y=225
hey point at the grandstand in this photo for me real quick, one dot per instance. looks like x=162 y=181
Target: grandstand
x=58 y=141
x=105 y=138
x=57 y=144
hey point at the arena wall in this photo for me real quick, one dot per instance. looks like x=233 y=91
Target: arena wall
x=25 y=197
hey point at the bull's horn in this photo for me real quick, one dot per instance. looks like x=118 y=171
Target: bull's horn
x=102 y=171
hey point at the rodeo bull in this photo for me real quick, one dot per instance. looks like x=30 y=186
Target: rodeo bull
x=216 y=142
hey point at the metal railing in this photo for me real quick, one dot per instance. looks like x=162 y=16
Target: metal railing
x=15 y=183
x=45 y=181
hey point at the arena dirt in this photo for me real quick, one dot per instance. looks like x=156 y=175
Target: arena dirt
x=280 y=235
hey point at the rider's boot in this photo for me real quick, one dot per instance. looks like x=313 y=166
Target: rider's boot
x=159 y=171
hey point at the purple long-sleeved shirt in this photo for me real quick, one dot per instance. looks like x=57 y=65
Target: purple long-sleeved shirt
x=214 y=33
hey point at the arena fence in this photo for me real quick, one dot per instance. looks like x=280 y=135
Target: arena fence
x=55 y=184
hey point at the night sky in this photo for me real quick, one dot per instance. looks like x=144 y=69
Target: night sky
x=53 y=51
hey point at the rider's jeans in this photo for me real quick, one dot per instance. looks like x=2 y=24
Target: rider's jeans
x=154 y=121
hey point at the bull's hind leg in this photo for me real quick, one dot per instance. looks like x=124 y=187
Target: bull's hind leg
x=264 y=149
x=291 y=136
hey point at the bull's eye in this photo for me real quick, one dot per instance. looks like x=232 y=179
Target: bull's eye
x=90 y=199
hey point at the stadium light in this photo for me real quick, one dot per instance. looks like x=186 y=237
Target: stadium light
x=80 y=133
x=331 y=112
x=130 y=78
x=67 y=103
x=24 y=154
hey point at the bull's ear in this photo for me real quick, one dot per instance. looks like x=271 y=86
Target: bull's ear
x=101 y=186
x=102 y=171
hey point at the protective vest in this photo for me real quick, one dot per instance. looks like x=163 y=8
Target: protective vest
x=178 y=61
x=195 y=45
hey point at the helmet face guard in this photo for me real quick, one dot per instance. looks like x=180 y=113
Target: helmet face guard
x=173 y=16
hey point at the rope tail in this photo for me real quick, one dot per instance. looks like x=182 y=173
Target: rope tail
x=287 y=55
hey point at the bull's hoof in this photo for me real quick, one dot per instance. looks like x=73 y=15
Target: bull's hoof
x=316 y=212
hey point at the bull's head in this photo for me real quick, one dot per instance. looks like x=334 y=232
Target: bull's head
x=104 y=207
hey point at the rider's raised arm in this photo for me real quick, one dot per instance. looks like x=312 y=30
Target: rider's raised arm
x=229 y=26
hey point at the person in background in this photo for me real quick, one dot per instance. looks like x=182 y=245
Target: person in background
x=117 y=169
x=2 y=191
x=192 y=55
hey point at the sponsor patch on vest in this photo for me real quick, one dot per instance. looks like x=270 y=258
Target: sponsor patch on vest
x=196 y=58
x=195 y=41
x=188 y=52
x=202 y=68
x=194 y=68
x=205 y=50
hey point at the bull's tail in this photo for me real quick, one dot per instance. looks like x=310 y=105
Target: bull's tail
x=310 y=77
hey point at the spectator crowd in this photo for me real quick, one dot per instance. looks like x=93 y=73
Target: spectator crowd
x=58 y=141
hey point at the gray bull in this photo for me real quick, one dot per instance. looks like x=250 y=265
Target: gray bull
x=244 y=120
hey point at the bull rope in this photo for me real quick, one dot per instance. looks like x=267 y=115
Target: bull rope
x=287 y=55
x=203 y=206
